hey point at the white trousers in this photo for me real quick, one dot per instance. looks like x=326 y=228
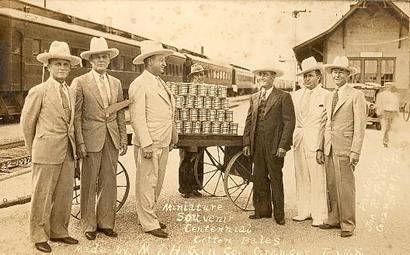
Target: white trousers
x=150 y=175
x=310 y=185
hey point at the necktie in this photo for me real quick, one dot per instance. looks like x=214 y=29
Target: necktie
x=262 y=103
x=103 y=90
x=304 y=110
x=65 y=103
x=335 y=99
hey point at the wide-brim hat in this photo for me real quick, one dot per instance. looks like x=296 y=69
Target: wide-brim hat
x=340 y=62
x=197 y=68
x=150 y=48
x=310 y=64
x=58 y=50
x=278 y=72
x=97 y=46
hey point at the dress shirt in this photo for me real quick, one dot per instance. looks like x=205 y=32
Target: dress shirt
x=102 y=83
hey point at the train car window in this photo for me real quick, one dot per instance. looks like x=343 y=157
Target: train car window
x=16 y=42
x=114 y=64
x=121 y=63
x=36 y=47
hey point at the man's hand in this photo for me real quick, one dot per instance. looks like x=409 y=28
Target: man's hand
x=320 y=157
x=147 y=152
x=280 y=153
x=82 y=151
x=353 y=158
x=171 y=147
x=123 y=149
x=246 y=151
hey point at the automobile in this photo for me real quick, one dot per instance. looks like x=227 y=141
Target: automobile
x=370 y=90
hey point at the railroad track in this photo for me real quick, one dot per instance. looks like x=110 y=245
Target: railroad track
x=13 y=154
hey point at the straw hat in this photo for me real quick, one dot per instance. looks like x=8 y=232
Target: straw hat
x=99 y=45
x=277 y=71
x=340 y=62
x=310 y=64
x=197 y=68
x=58 y=50
x=150 y=48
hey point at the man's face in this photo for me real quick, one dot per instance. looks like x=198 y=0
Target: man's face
x=157 y=64
x=100 y=62
x=265 y=79
x=340 y=76
x=311 y=79
x=59 y=69
x=197 y=77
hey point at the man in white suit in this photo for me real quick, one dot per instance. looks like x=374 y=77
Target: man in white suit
x=152 y=113
x=309 y=105
x=340 y=140
x=47 y=123
x=100 y=135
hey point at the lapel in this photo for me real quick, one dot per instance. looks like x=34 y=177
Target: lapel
x=342 y=98
x=113 y=91
x=55 y=98
x=273 y=97
x=298 y=101
x=72 y=93
x=92 y=85
x=255 y=101
x=162 y=91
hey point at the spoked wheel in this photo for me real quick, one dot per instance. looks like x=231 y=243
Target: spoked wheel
x=238 y=182
x=123 y=189
x=406 y=112
x=211 y=177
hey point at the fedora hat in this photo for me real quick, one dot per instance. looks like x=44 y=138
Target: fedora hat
x=278 y=72
x=99 y=45
x=58 y=50
x=150 y=48
x=310 y=64
x=197 y=68
x=340 y=62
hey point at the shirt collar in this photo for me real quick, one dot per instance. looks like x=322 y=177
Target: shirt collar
x=342 y=88
x=97 y=75
x=56 y=83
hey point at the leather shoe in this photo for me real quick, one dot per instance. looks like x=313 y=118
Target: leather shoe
x=43 y=247
x=346 y=233
x=186 y=195
x=327 y=226
x=280 y=222
x=91 y=235
x=108 y=232
x=257 y=216
x=66 y=240
x=196 y=193
x=162 y=225
x=158 y=233
x=301 y=218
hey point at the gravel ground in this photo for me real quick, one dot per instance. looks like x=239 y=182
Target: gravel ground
x=383 y=213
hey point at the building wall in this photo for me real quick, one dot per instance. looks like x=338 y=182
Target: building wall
x=361 y=31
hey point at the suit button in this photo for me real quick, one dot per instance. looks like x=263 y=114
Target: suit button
x=107 y=115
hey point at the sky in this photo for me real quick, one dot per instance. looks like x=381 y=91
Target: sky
x=247 y=33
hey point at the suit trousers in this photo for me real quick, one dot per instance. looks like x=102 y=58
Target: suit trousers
x=149 y=175
x=187 y=180
x=268 y=182
x=388 y=120
x=341 y=192
x=51 y=199
x=99 y=187
x=310 y=185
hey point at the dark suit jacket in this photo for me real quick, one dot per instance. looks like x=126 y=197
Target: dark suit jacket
x=279 y=121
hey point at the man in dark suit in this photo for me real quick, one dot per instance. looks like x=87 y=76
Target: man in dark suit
x=267 y=137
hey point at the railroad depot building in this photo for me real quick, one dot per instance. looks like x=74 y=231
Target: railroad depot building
x=374 y=35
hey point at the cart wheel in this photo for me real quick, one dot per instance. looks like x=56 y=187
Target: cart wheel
x=406 y=112
x=211 y=180
x=238 y=182
x=123 y=189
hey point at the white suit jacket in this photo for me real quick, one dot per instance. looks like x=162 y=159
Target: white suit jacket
x=152 y=112
x=307 y=127
x=47 y=132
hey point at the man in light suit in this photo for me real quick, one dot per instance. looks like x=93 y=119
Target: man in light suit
x=47 y=122
x=101 y=135
x=340 y=140
x=267 y=137
x=309 y=105
x=152 y=113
